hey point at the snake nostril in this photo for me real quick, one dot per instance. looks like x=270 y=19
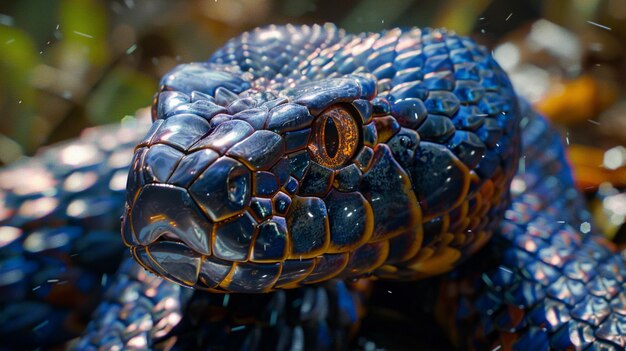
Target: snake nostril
x=222 y=190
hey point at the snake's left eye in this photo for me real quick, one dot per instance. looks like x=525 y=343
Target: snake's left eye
x=335 y=137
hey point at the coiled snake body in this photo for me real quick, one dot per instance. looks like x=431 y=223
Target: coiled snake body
x=295 y=157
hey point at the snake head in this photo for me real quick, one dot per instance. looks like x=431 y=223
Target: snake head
x=251 y=180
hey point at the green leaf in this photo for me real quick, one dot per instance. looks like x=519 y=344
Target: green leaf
x=121 y=93
x=85 y=29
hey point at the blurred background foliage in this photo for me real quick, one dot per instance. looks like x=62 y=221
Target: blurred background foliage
x=69 y=64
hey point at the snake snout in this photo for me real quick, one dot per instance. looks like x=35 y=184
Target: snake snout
x=185 y=200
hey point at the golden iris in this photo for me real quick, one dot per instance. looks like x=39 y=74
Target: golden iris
x=335 y=137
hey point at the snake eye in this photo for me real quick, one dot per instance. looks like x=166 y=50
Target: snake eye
x=335 y=137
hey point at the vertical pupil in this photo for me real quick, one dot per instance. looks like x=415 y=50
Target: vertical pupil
x=331 y=137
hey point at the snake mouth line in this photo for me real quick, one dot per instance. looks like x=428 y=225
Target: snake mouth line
x=168 y=237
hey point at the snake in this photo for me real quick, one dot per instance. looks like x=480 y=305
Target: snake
x=280 y=177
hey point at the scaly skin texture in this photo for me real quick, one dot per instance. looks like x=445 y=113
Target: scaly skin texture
x=538 y=284
x=59 y=234
x=237 y=188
